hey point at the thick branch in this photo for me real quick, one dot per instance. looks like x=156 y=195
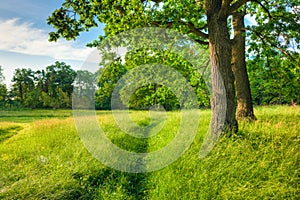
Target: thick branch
x=191 y=26
x=160 y=23
x=201 y=42
x=225 y=9
x=194 y=30
x=263 y=7
x=235 y=6
x=120 y=10
x=203 y=27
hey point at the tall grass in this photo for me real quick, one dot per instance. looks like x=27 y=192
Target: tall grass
x=45 y=159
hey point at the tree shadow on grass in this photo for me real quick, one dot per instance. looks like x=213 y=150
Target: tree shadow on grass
x=109 y=183
x=8 y=132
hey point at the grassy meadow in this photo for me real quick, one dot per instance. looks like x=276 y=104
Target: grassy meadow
x=42 y=157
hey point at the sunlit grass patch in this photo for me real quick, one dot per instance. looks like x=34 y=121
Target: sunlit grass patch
x=260 y=162
x=47 y=160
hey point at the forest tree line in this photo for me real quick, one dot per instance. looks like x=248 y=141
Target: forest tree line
x=273 y=80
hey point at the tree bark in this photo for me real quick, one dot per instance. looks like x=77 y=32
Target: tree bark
x=223 y=92
x=242 y=85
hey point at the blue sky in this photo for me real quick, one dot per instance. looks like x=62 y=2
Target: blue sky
x=24 y=38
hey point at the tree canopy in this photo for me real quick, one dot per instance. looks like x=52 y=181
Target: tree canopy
x=206 y=21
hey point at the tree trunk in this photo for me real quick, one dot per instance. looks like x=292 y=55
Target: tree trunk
x=242 y=85
x=223 y=92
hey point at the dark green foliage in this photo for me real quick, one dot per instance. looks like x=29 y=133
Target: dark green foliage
x=156 y=94
x=274 y=61
x=107 y=80
x=147 y=95
x=277 y=25
x=3 y=95
x=58 y=85
x=23 y=84
x=3 y=90
x=84 y=90
x=275 y=80
x=50 y=88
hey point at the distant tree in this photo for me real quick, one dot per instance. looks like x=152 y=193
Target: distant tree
x=84 y=89
x=153 y=95
x=107 y=80
x=157 y=94
x=3 y=95
x=23 y=84
x=3 y=90
x=85 y=81
x=2 y=78
x=146 y=95
x=56 y=84
x=32 y=99
x=60 y=75
x=41 y=81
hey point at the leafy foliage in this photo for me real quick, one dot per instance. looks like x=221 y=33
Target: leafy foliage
x=74 y=17
x=275 y=80
x=202 y=20
x=23 y=84
x=50 y=88
x=277 y=26
x=3 y=90
x=147 y=94
x=107 y=80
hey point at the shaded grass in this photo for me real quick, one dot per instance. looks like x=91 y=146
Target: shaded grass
x=46 y=160
x=8 y=130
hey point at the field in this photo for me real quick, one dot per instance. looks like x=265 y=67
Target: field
x=42 y=157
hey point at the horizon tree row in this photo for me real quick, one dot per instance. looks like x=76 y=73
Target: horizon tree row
x=47 y=88
x=274 y=79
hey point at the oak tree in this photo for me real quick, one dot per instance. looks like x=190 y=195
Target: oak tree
x=206 y=21
x=187 y=16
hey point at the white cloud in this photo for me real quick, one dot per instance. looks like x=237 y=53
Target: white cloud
x=24 y=38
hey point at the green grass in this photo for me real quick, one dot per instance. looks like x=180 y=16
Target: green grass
x=25 y=116
x=42 y=157
x=7 y=130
